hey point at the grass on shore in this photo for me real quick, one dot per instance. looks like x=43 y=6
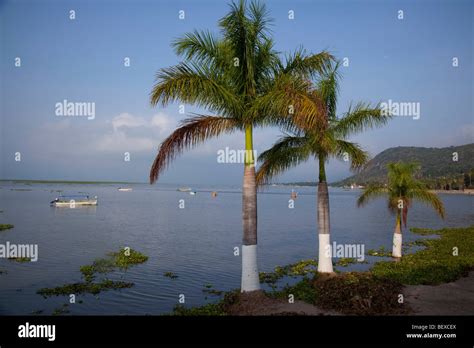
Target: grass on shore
x=375 y=292
x=443 y=260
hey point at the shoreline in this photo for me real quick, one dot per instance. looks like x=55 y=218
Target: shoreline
x=454 y=192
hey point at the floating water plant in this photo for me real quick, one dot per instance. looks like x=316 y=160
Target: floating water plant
x=118 y=260
x=170 y=275
x=5 y=227
x=20 y=259
x=85 y=287
x=381 y=252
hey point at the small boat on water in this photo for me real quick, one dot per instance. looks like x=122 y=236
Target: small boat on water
x=192 y=193
x=125 y=189
x=184 y=189
x=73 y=201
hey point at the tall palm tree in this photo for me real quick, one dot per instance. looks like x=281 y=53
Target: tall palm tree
x=401 y=190
x=322 y=141
x=240 y=79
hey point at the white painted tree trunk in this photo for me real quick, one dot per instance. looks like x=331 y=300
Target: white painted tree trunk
x=250 y=280
x=397 y=245
x=325 y=254
x=397 y=240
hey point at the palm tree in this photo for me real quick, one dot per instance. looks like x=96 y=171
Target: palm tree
x=322 y=141
x=240 y=79
x=401 y=190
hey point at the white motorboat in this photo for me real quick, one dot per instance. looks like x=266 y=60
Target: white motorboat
x=73 y=201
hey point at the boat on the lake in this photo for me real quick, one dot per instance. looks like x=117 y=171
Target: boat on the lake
x=73 y=201
x=184 y=189
x=125 y=189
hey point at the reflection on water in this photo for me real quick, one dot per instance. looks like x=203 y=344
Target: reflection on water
x=196 y=242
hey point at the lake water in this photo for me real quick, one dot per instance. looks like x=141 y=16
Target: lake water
x=196 y=243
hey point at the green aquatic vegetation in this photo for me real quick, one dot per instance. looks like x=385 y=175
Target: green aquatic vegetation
x=346 y=261
x=20 y=259
x=444 y=259
x=4 y=227
x=423 y=231
x=300 y=268
x=128 y=257
x=302 y=291
x=84 y=287
x=170 y=275
x=212 y=309
x=61 y=310
x=208 y=286
x=87 y=272
x=380 y=252
x=213 y=292
x=121 y=260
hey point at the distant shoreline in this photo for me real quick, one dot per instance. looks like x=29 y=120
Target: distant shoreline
x=67 y=182
x=455 y=192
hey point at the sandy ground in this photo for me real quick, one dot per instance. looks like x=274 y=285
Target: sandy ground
x=456 y=298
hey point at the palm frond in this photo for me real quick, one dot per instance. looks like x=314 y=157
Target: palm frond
x=360 y=117
x=288 y=152
x=190 y=83
x=203 y=47
x=354 y=151
x=307 y=65
x=422 y=195
x=191 y=132
x=371 y=192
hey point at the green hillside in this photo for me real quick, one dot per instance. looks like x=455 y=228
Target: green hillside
x=439 y=167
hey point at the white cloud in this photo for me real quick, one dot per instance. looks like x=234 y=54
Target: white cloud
x=126 y=120
x=135 y=134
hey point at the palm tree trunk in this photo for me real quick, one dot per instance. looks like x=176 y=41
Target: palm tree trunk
x=250 y=279
x=325 y=252
x=397 y=238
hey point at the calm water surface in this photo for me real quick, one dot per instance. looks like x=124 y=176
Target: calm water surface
x=195 y=243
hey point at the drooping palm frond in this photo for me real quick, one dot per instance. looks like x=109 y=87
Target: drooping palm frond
x=289 y=151
x=287 y=103
x=192 y=132
x=421 y=194
x=371 y=192
x=354 y=151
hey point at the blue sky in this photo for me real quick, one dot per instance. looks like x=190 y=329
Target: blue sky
x=81 y=60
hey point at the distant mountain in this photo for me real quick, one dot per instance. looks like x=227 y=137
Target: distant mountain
x=438 y=165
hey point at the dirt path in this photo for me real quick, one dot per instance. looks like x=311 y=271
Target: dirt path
x=456 y=298
x=296 y=308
